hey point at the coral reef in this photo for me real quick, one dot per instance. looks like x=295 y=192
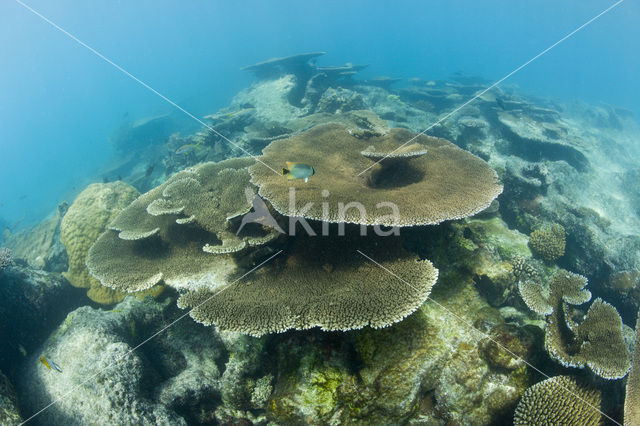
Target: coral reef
x=275 y=67
x=428 y=368
x=346 y=292
x=447 y=183
x=549 y=244
x=560 y=400
x=87 y=218
x=567 y=171
x=535 y=140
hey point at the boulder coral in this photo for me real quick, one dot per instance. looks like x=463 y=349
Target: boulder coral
x=549 y=244
x=352 y=185
x=560 y=400
x=87 y=218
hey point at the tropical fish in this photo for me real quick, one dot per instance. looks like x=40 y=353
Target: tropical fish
x=22 y=350
x=298 y=171
x=55 y=366
x=149 y=170
x=187 y=148
x=50 y=364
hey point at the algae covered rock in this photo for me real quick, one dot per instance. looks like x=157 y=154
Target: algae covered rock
x=430 y=368
x=32 y=303
x=39 y=246
x=9 y=413
x=87 y=218
x=105 y=377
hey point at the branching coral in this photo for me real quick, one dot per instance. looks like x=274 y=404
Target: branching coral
x=549 y=244
x=349 y=186
x=560 y=400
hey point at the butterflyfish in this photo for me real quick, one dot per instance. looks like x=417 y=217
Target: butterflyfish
x=298 y=171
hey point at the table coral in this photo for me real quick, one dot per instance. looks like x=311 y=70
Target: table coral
x=335 y=288
x=595 y=342
x=447 y=183
x=179 y=232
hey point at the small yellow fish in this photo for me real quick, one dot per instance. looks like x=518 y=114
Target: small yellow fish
x=298 y=171
x=50 y=364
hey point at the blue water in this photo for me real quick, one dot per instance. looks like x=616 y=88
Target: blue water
x=59 y=102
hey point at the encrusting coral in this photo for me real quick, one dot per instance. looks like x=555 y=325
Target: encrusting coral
x=549 y=244
x=446 y=183
x=560 y=400
x=85 y=220
x=321 y=281
x=170 y=233
x=596 y=342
